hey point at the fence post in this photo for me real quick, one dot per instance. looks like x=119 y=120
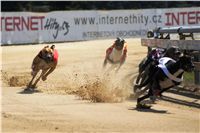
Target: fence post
x=197 y=72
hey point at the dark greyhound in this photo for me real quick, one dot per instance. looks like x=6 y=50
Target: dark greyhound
x=147 y=66
x=168 y=74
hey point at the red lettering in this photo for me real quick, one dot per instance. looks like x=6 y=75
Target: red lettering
x=197 y=17
x=191 y=18
x=168 y=16
x=20 y=23
x=175 y=18
x=8 y=25
x=2 y=22
x=34 y=24
x=25 y=23
x=183 y=14
x=16 y=23
x=182 y=18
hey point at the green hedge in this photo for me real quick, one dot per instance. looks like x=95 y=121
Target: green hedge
x=189 y=77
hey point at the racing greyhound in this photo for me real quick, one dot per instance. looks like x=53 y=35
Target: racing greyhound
x=116 y=54
x=46 y=60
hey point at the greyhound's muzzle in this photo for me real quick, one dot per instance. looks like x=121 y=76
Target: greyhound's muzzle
x=190 y=68
x=49 y=58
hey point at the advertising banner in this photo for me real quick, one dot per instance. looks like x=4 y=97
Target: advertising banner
x=60 y=26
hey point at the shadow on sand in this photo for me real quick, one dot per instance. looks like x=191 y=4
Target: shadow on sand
x=29 y=91
x=151 y=110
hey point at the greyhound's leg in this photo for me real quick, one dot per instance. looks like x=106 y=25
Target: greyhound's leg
x=165 y=89
x=138 y=78
x=44 y=77
x=118 y=67
x=36 y=81
x=137 y=94
x=139 y=105
x=148 y=76
x=104 y=63
x=143 y=97
x=34 y=73
x=144 y=77
x=156 y=88
x=113 y=66
x=143 y=106
x=30 y=83
x=136 y=87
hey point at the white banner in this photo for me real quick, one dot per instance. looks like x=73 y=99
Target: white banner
x=59 y=26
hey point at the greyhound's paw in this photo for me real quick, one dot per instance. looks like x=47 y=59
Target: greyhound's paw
x=29 y=89
x=142 y=106
x=44 y=78
x=135 y=88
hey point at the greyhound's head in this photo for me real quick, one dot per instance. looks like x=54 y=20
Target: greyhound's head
x=119 y=43
x=186 y=63
x=173 y=52
x=47 y=53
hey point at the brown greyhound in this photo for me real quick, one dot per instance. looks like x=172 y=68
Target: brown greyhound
x=46 y=60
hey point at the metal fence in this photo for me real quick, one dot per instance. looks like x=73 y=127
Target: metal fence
x=188 y=39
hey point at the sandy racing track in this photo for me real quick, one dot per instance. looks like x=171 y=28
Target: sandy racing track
x=59 y=107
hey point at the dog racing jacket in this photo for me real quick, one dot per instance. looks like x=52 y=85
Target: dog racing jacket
x=55 y=55
x=112 y=53
x=162 y=62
